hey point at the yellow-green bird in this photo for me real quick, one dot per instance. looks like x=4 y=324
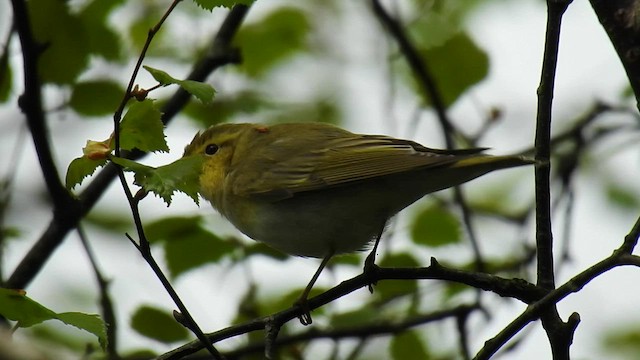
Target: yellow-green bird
x=316 y=190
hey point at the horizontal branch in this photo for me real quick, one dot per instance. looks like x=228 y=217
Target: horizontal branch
x=516 y=288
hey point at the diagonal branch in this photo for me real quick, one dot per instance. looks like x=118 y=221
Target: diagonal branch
x=621 y=257
x=219 y=54
x=619 y=18
x=31 y=104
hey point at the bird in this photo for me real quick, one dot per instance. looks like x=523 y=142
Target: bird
x=317 y=190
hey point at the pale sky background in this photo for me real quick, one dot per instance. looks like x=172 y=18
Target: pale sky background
x=512 y=33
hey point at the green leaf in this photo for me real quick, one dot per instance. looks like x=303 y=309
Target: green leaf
x=102 y=39
x=16 y=306
x=111 y=221
x=455 y=65
x=623 y=340
x=392 y=288
x=366 y=315
x=89 y=322
x=435 y=226
x=408 y=345
x=63 y=36
x=147 y=15
x=259 y=248
x=222 y=109
x=204 y=92
x=6 y=76
x=157 y=324
x=271 y=40
x=162 y=77
x=169 y=227
x=187 y=244
x=210 y=4
x=142 y=128
x=95 y=98
x=624 y=198
x=79 y=169
x=181 y=175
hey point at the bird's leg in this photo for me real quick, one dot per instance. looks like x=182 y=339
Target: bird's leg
x=370 y=262
x=305 y=318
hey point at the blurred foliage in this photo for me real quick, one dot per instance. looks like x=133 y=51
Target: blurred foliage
x=268 y=42
x=16 y=306
x=157 y=324
x=87 y=51
x=96 y=97
x=435 y=226
x=187 y=244
x=622 y=342
x=409 y=345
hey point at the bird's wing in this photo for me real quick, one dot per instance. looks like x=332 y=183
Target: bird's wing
x=332 y=161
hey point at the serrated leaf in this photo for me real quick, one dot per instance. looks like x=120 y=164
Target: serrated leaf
x=181 y=175
x=211 y=4
x=271 y=40
x=160 y=76
x=204 y=92
x=157 y=324
x=16 y=306
x=95 y=98
x=79 y=169
x=187 y=244
x=142 y=128
x=89 y=322
x=435 y=226
x=408 y=345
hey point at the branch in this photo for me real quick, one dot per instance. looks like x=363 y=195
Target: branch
x=363 y=331
x=106 y=304
x=426 y=80
x=619 y=18
x=419 y=68
x=620 y=257
x=515 y=288
x=219 y=54
x=560 y=334
x=31 y=104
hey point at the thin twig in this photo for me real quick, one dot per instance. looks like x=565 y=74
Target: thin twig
x=621 y=257
x=220 y=53
x=117 y=116
x=106 y=304
x=361 y=331
x=428 y=84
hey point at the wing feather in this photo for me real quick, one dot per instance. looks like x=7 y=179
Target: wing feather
x=330 y=159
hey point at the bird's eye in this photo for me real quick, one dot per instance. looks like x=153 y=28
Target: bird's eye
x=211 y=149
